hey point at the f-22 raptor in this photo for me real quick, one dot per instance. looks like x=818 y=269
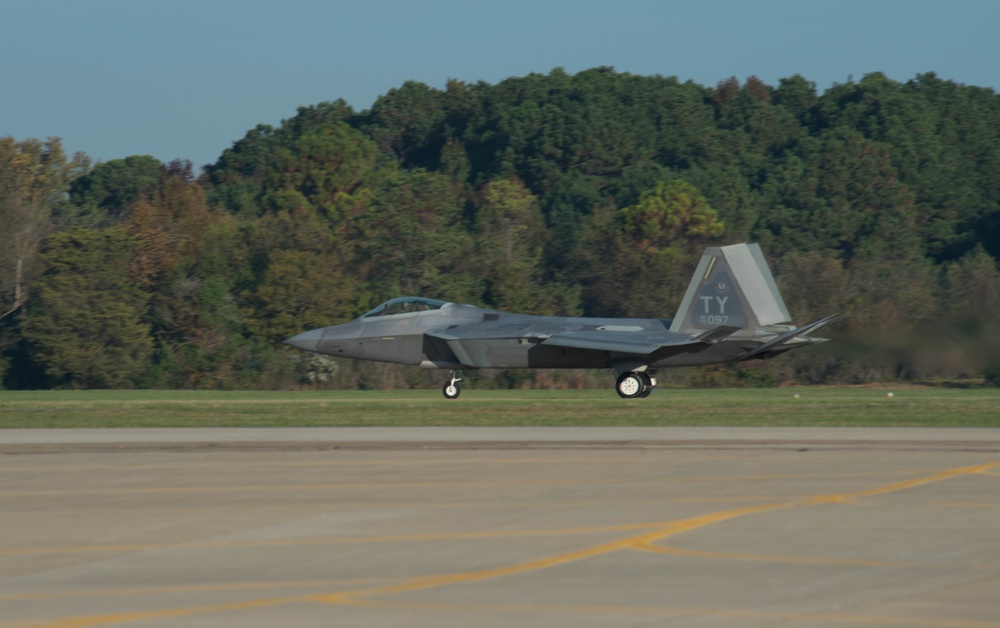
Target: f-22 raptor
x=732 y=311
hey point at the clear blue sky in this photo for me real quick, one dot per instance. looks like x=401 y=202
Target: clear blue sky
x=187 y=78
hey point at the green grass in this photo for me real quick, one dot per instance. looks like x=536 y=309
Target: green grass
x=923 y=407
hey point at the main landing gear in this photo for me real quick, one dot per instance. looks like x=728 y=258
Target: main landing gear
x=634 y=384
x=451 y=389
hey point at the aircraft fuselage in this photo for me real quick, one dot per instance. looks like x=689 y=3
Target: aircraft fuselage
x=463 y=336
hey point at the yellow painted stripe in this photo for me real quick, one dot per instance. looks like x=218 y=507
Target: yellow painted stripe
x=899 y=486
x=430 y=582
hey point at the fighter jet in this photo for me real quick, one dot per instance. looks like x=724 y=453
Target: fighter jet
x=732 y=311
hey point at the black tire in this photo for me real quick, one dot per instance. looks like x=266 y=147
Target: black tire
x=648 y=385
x=451 y=391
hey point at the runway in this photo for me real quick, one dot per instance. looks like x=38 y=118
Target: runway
x=500 y=527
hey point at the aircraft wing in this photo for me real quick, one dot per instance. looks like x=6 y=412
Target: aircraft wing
x=636 y=343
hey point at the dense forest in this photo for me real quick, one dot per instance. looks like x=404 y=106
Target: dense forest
x=585 y=194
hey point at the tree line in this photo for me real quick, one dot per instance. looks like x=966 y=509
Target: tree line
x=586 y=194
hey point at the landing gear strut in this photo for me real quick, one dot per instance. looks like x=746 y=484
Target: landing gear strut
x=451 y=389
x=634 y=384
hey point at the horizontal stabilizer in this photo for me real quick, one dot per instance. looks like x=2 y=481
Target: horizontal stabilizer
x=787 y=337
x=716 y=334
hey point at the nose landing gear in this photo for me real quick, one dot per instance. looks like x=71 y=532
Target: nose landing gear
x=451 y=389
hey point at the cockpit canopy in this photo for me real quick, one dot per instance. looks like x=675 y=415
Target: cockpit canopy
x=405 y=305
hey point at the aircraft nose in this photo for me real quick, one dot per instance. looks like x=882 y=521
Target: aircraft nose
x=307 y=340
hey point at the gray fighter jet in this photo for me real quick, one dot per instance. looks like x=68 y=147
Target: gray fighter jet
x=732 y=311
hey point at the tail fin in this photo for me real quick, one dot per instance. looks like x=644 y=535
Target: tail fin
x=732 y=287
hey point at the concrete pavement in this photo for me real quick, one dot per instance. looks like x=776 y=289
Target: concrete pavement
x=500 y=527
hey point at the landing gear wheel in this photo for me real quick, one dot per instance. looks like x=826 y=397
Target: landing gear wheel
x=632 y=385
x=451 y=389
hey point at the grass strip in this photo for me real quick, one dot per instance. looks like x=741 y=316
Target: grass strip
x=907 y=407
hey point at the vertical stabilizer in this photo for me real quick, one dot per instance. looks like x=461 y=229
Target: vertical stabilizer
x=732 y=286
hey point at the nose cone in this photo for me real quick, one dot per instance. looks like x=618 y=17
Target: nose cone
x=307 y=340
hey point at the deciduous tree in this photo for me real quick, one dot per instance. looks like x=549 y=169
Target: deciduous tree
x=85 y=324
